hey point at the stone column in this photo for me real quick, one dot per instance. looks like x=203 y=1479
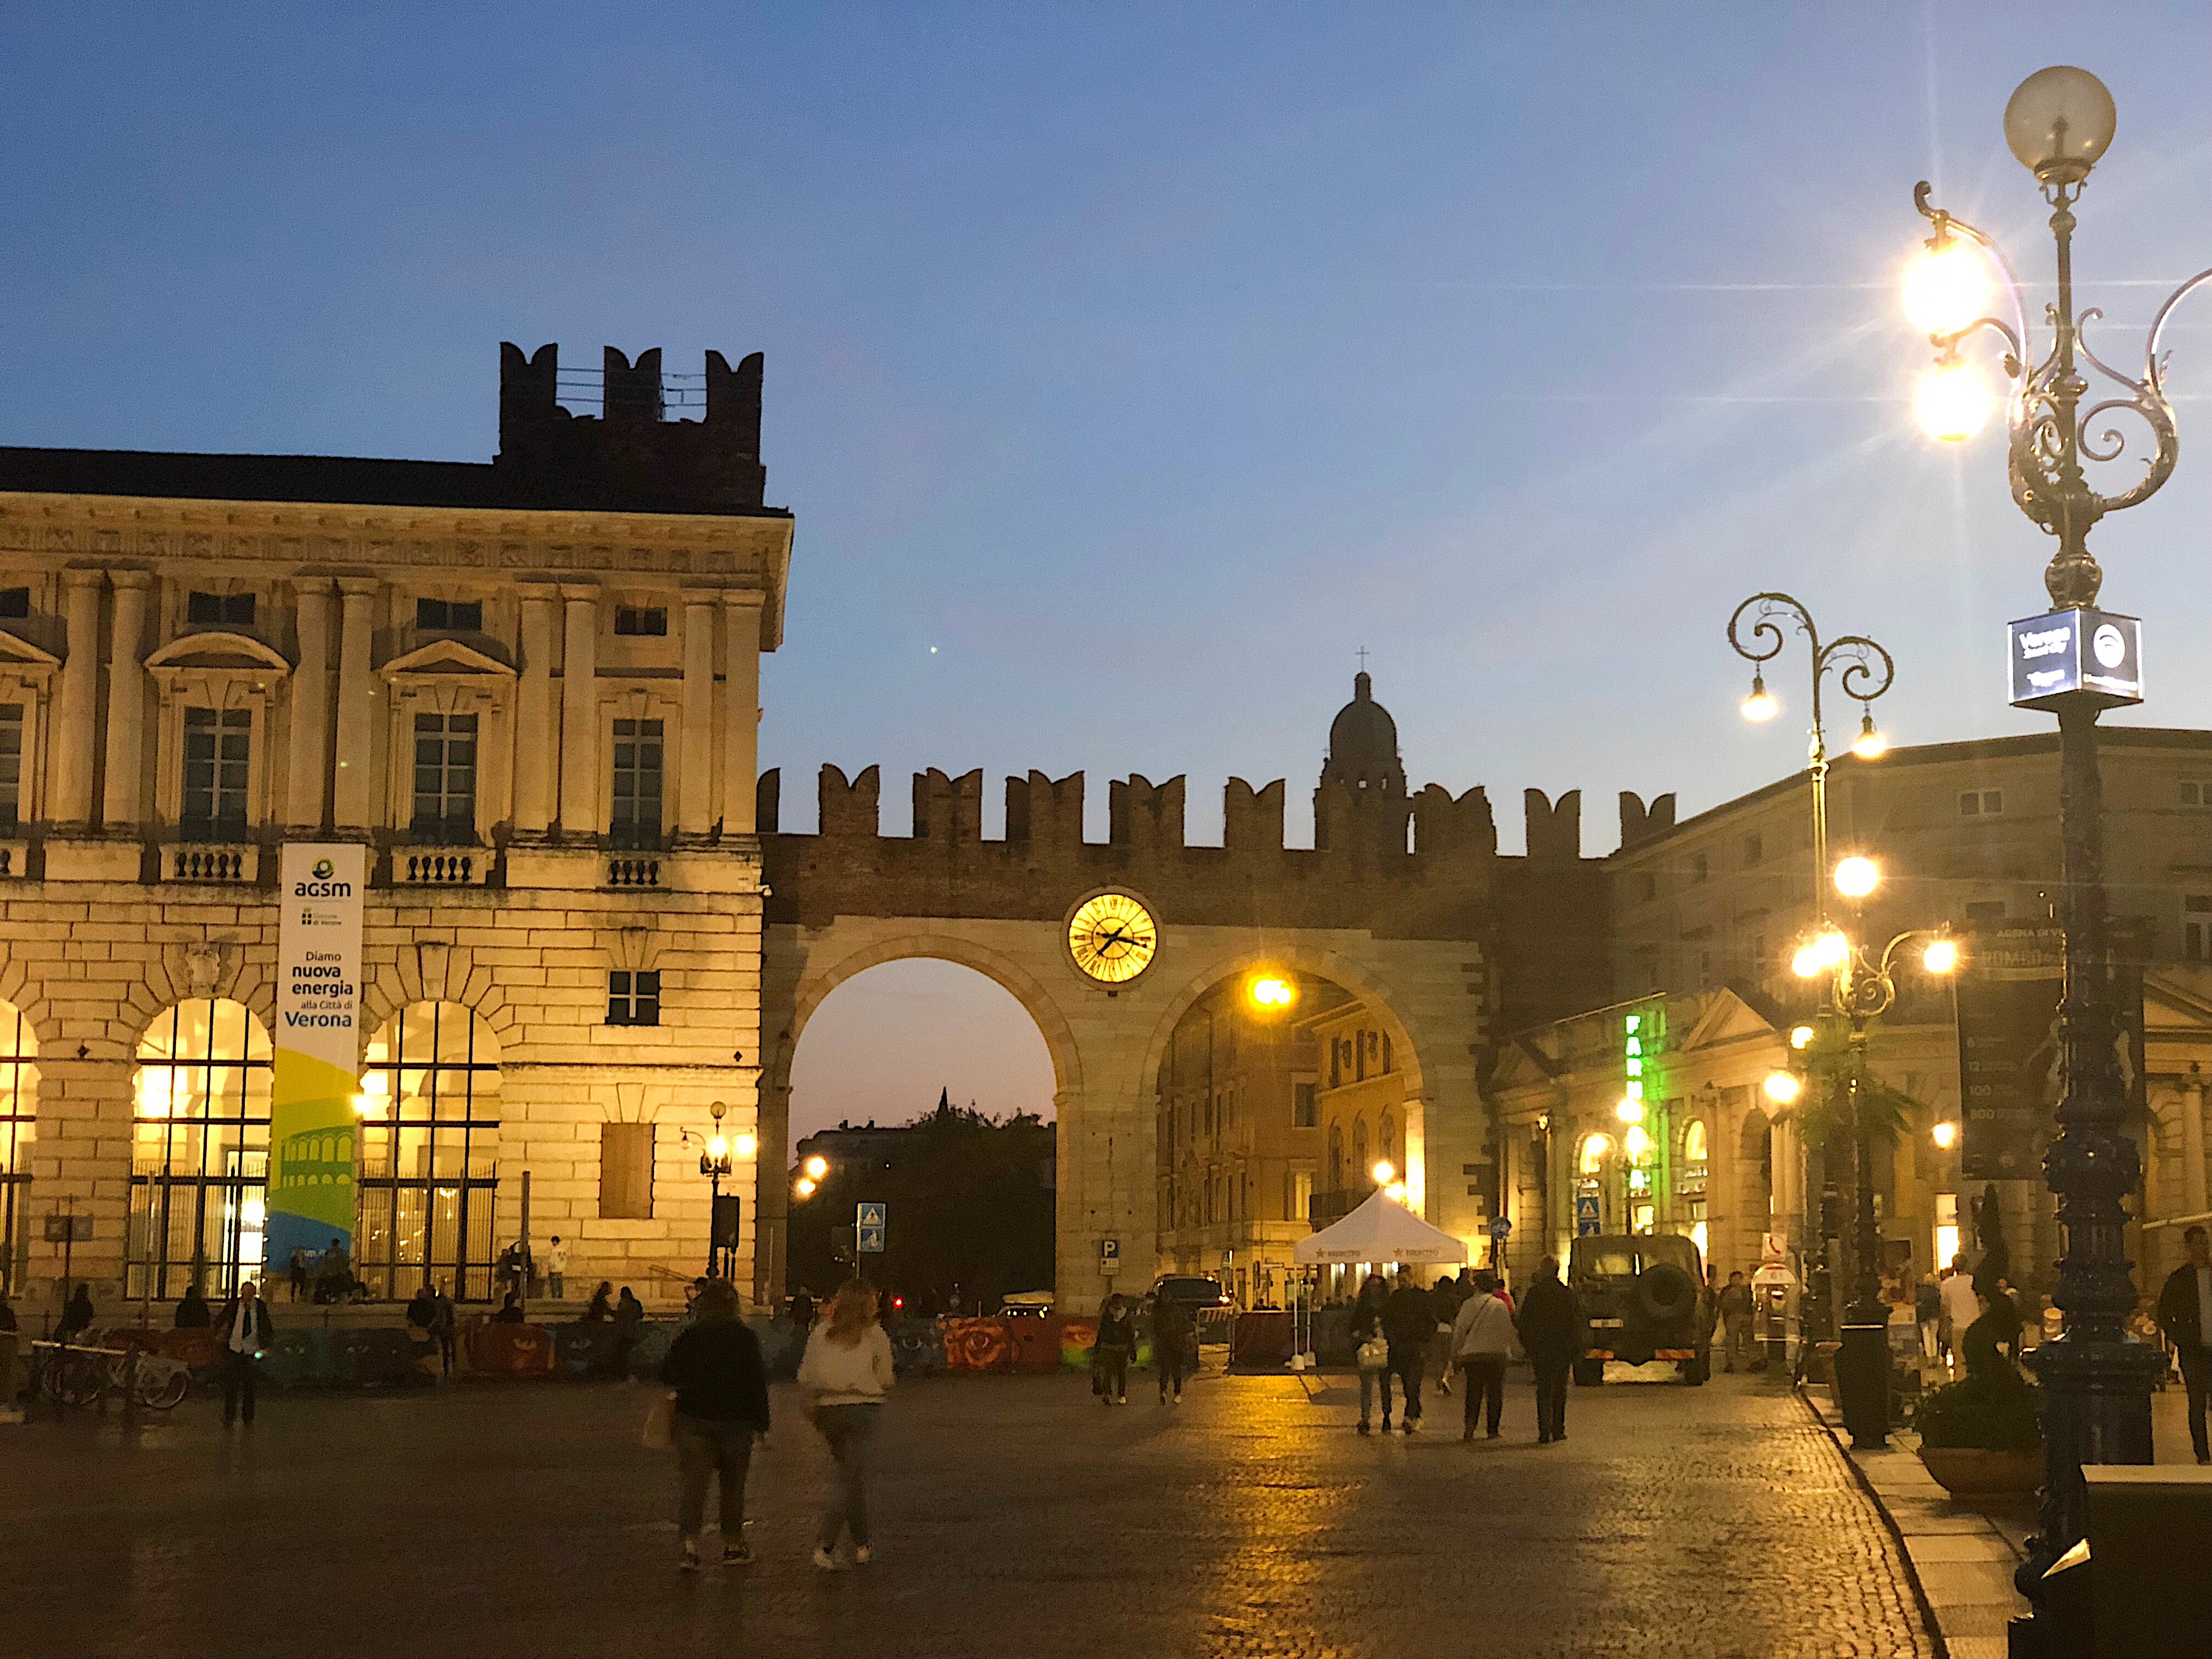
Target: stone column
x=695 y=768
x=2193 y=1201
x=580 y=712
x=353 y=798
x=537 y=757
x=741 y=713
x=72 y=739
x=1788 y=1157
x=307 y=782
x=121 y=804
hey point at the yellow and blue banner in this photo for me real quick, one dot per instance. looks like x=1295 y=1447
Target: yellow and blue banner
x=311 y=1126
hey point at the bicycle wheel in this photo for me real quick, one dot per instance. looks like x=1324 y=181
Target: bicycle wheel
x=81 y=1381
x=161 y=1390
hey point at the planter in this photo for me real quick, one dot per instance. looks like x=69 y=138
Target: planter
x=1972 y=1472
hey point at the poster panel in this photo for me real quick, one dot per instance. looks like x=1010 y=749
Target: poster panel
x=312 y=1126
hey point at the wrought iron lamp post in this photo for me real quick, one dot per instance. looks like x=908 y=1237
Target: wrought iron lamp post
x=1759 y=631
x=2075 y=662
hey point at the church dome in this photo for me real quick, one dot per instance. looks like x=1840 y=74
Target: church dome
x=1363 y=743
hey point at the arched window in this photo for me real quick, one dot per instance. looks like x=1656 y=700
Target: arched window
x=1594 y=1152
x=199 y=1162
x=429 y=1153
x=19 y=1114
x=1359 y=1160
x=1389 y=1146
x=1693 y=1142
x=1336 y=1158
x=1389 y=1063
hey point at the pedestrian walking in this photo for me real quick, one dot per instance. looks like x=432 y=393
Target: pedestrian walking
x=1734 y=1301
x=445 y=1327
x=296 y=1271
x=845 y=1374
x=1409 y=1327
x=193 y=1313
x=1115 y=1347
x=76 y=1316
x=2184 y=1314
x=245 y=1329
x=1372 y=1354
x=1445 y=1301
x=1481 y=1343
x=556 y=1269
x=719 y=1386
x=1962 y=1306
x=1555 y=1333
x=1175 y=1338
x=1928 y=1310
x=802 y=1310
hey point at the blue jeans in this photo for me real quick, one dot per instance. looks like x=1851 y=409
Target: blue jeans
x=705 y=1447
x=849 y=1429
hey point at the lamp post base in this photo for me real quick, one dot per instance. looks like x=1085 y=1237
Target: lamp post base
x=2096 y=1409
x=1863 y=1384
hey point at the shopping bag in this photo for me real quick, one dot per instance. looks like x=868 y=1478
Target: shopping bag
x=660 y=1424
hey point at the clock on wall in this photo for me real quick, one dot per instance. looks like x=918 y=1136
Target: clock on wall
x=1112 y=937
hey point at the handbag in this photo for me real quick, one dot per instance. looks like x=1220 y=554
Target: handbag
x=659 y=1432
x=1374 y=1354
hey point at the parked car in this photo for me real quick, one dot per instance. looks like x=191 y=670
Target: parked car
x=1193 y=1291
x=1645 y=1302
x=1025 y=1304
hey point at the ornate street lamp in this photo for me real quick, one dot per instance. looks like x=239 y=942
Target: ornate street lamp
x=1757 y=631
x=2075 y=662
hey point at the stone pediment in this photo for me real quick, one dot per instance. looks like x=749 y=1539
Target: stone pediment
x=1522 y=1066
x=24 y=660
x=446 y=656
x=1727 y=1017
x=221 y=652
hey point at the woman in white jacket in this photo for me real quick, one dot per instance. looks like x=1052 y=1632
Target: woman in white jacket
x=1481 y=1343
x=845 y=1375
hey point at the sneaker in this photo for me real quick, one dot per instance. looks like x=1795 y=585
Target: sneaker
x=1178 y=1397
x=1413 y=1425
x=827 y=1562
x=1467 y=1436
x=1493 y=1434
x=863 y=1554
x=736 y=1555
x=1365 y=1428
x=689 y=1560
x=1386 y=1425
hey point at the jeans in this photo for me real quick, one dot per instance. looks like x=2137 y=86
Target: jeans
x=704 y=1447
x=1486 y=1386
x=553 y=1282
x=1173 y=1365
x=848 y=1429
x=1552 y=1397
x=1737 y=1333
x=1113 y=1364
x=1405 y=1365
x=238 y=1376
x=2196 y=1376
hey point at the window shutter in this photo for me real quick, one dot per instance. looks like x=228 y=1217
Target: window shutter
x=625 y=1172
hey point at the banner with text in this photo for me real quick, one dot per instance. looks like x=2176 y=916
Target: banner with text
x=311 y=1118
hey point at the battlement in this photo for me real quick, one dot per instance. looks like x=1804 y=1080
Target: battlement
x=630 y=453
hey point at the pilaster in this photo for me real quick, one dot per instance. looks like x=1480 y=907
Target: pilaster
x=123 y=803
x=353 y=794
x=579 y=711
x=307 y=780
x=536 y=755
x=740 y=712
x=695 y=768
x=73 y=741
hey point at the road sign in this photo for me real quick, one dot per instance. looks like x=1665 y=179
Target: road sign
x=1109 y=1256
x=1589 y=1220
x=871 y=1223
x=1501 y=1228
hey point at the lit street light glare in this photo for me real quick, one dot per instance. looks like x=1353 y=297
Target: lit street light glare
x=1941 y=957
x=1760 y=704
x=1636 y=1141
x=1783 y=1087
x=816 y=1166
x=1856 y=877
x=747 y=1143
x=1946 y=288
x=1869 y=744
x=1384 y=1172
x=1945 y=1135
x=718 y=1149
x=1272 y=991
x=1630 y=1111
x=1953 y=401
x=803 y=1187
x=1801 y=1037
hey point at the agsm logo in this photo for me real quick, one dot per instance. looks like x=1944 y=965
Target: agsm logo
x=321 y=885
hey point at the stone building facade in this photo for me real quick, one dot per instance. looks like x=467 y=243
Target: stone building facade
x=531 y=687
x=1706 y=915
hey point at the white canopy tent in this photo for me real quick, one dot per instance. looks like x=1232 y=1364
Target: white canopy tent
x=1381 y=1230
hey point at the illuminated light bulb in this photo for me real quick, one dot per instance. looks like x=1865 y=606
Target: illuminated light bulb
x=747 y=1143
x=1856 y=877
x=804 y=1187
x=1801 y=1037
x=1273 y=993
x=1395 y=1192
x=1869 y=744
x=1760 y=704
x=1941 y=957
x=1635 y=1140
x=1953 y=401
x=1946 y=288
x=1806 y=963
x=1630 y=1111
x=363 y=1105
x=1783 y=1087
x=1945 y=1135
x=718 y=1149
x=1830 y=950
x=816 y=1167
x=1384 y=1172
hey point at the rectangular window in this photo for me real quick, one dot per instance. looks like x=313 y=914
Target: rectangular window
x=450 y=615
x=1647 y=887
x=1301 y=1196
x=625 y=1172
x=2195 y=792
x=15 y=602
x=1701 y=866
x=2197 y=928
x=445 y=778
x=637 y=783
x=219 y=609
x=641 y=619
x=1754 y=850
x=218 y=745
x=634 y=997
x=1980 y=803
x=1305 y=1106
x=11 y=763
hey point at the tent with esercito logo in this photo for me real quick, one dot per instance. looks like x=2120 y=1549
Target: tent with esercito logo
x=1381 y=1230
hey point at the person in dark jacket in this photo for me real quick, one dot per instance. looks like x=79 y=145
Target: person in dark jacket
x=2184 y=1314
x=629 y=1313
x=76 y=1317
x=445 y=1327
x=1115 y=1348
x=193 y=1313
x=510 y=1310
x=602 y=1304
x=245 y=1329
x=1367 y=1326
x=720 y=1391
x=1175 y=1336
x=1554 y=1332
x=1409 y=1326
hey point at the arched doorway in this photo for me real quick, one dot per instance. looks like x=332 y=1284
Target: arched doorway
x=429 y=1153
x=1754 y=1206
x=924 y=1085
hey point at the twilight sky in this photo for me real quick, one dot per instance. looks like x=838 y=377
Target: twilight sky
x=1128 y=368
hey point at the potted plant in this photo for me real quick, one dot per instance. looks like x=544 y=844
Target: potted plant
x=1982 y=1436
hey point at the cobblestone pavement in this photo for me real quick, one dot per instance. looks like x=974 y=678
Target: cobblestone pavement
x=1016 y=1517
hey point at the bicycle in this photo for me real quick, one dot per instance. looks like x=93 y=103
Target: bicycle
x=68 y=1374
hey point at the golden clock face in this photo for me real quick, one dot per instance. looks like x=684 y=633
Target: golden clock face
x=1112 y=937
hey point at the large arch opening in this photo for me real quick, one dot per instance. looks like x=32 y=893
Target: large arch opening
x=1287 y=1096
x=925 y=1084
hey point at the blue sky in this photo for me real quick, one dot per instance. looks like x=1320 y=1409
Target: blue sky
x=1147 y=362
